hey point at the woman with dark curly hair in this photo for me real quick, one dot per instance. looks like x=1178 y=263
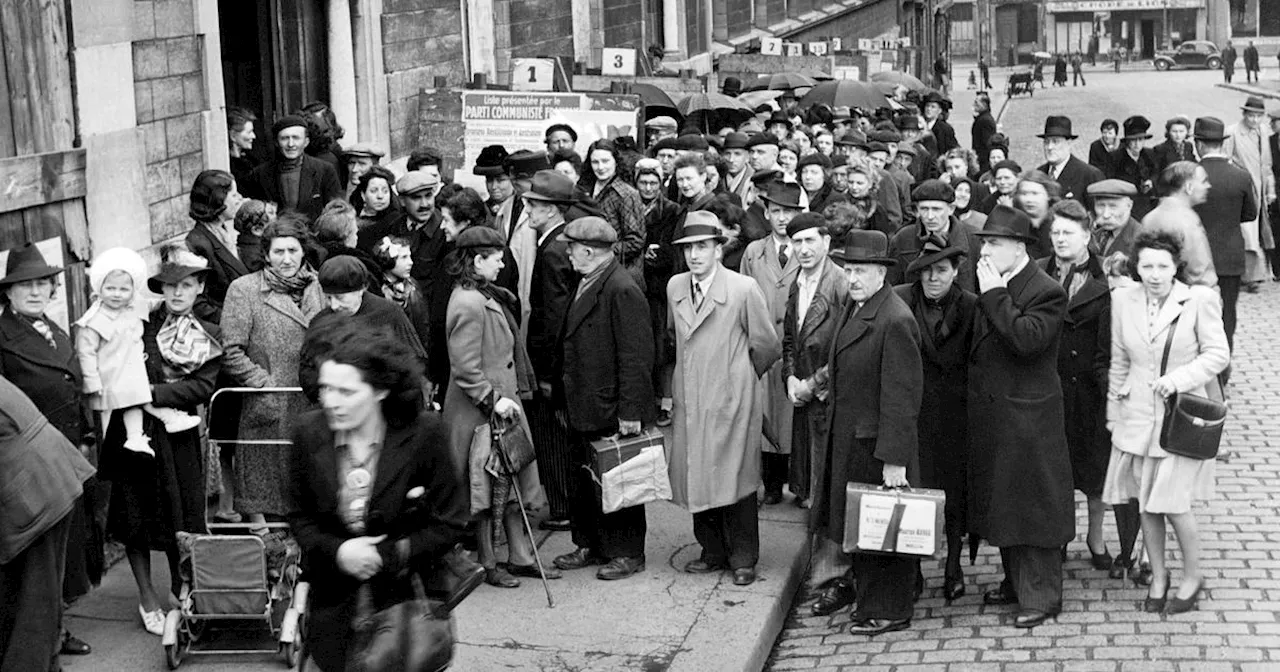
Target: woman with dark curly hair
x=251 y=219
x=373 y=491
x=336 y=230
x=375 y=198
x=609 y=184
x=395 y=258
x=214 y=204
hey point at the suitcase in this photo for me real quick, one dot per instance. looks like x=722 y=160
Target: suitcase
x=614 y=450
x=905 y=521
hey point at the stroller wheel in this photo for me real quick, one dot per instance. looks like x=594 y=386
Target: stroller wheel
x=291 y=636
x=177 y=639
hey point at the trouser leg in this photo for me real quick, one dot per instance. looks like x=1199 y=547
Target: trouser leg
x=31 y=594
x=707 y=529
x=552 y=444
x=584 y=510
x=741 y=530
x=885 y=585
x=613 y=535
x=774 y=468
x=829 y=561
x=1037 y=577
x=1229 y=287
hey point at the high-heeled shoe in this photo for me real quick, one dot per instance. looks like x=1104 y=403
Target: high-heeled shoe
x=1120 y=567
x=1156 y=605
x=1100 y=560
x=1142 y=576
x=953 y=587
x=1178 y=605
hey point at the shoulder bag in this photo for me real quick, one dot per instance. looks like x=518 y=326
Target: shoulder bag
x=405 y=637
x=1192 y=424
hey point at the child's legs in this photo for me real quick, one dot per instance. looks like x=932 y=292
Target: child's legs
x=132 y=418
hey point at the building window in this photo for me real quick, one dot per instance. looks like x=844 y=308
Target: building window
x=961 y=12
x=1028 y=23
x=1255 y=18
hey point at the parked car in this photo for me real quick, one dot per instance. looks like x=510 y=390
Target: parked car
x=1192 y=54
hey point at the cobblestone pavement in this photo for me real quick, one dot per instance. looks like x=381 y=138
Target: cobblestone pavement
x=1238 y=624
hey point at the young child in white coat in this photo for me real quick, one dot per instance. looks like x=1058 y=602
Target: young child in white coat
x=109 y=347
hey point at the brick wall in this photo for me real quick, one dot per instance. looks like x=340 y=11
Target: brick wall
x=621 y=23
x=540 y=27
x=169 y=95
x=421 y=40
x=738 y=14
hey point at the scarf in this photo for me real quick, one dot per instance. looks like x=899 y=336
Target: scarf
x=184 y=346
x=948 y=304
x=294 y=286
x=968 y=206
x=397 y=290
x=511 y=309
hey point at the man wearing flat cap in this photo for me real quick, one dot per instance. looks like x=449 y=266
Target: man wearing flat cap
x=658 y=128
x=1114 y=226
x=772 y=263
x=1072 y=174
x=875 y=385
x=725 y=342
x=1020 y=490
x=360 y=158
x=1226 y=212
x=607 y=346
x=1246 y=144
x=293 y=180
x=935 y=217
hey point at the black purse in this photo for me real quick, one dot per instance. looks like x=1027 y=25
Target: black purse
x=405 y=637
x=1192 y=424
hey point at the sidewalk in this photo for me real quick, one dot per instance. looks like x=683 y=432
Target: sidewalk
x=661 y=619
x=1267 y=88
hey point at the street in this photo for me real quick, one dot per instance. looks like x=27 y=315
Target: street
x=1101 y=628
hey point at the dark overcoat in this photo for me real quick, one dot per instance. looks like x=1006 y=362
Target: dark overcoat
x=1075 y=178
x=415 y=456
x=876 y=382
x=608 y=354
x=905 y=246
x=1020 y=490
x=944 y=422
x=1231 y=202
x=1136 y=172
x=1084 y=358
x=224 y=266
x=317 y=185
x=375 y=312
x=553 y=285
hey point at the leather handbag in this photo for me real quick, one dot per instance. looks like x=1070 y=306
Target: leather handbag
x=1192 y=424
x=511 y=438
x=405 y=637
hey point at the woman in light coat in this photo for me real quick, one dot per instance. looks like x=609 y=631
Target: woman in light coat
x=1164 y=485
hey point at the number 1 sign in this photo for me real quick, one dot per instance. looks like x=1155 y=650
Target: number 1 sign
x=532 y=74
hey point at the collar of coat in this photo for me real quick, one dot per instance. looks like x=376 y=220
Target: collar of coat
x=856 y=321
x=1096 y=287
x=397 y=452
x=1172 y=308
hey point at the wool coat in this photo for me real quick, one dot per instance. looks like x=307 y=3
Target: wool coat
x=1020 y=489
x=876 y=383
x=905 y=246
x=1232 y=203
x=1137 y=172
x=1167 y=153
x=224 y=266
x=722 y=350
x=622 y=208
x=1075 y=178
x=413 y=457
x=1105 y=244
x=760 y=262
x=554 y=284
x=375 y=312
x=984 y=126
x=1084 y=356
x=317 y=185
x=263 y=332
x=824 y=196
x=1197 y=355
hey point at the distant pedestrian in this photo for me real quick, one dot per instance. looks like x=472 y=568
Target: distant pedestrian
x=940 y=72
x=1228 y=62
x=1230 y=206
x=1251 y=63
x=985 y=71
x=1060 y=71
x=1077 y=74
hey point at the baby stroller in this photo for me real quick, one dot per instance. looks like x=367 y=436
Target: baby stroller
x=232 y=578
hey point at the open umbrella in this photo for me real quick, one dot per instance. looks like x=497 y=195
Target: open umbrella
x=816 y=75
x=652 y=96
x=844 y=93
x=779 y=81
x=757 y=98
x=711 y=102
x=902 y=78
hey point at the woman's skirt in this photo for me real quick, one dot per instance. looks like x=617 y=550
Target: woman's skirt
x=1165 y=485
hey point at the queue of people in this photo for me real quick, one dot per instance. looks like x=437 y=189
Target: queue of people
x=709 y=286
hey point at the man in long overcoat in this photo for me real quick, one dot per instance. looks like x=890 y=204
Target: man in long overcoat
x=876 y=383
x=944 y=313
x=1020 y=490
x=725 y=341
x=607 y=365
x=771 y=262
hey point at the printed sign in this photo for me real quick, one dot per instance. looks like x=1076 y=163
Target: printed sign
x=896 y=525
x=846 y=72
x=837 y=44
x=771 y=46
x=818 y=48
x=534 y=74
x=791 y=48
x=619 y=62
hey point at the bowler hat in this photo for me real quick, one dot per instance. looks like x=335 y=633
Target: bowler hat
x=479 y=236
x=491 y=162
x=1210 y=129
x=864 y=247
x=1006 y=222
x=732 y=86
x=907 y=122
x=1137 y=127
x=1057 y=126
x=524 y=163
x=736 y=140
x=593 y=231
x=552 y=187
x=933 y=190
x=177 y=264
x=764 y=176
x=342 y=274
x=785 y=194
x=26 y=263
x=1254 y=104
x=700 y=225
x=934 y=250
x=762 y=139
x=1111 y=188
x=780 y=117
x=692 y=142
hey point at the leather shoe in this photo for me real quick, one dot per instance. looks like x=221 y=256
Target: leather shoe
x=999 y=596
x=73 y=646
x=531 y=571
x=583 y=557
x=836 y=596
x=877 y=626
x=701 y=566
x=554 y=525
x=1030 y=618
x=771 y=498
x=953 y=588
x=620 y=568
x=744 y=577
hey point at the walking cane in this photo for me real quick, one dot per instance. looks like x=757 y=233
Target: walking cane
x=496 y=441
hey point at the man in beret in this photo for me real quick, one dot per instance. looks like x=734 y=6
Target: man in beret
x=935 y=217
x=607 y=345
x=344 y=281
x=874 y=386
x=725 y=341
x=292 y=180
x=1231 y=205
x=1114 y=226
x=560 y=137
x=360 y=158
x=1020 y=491
x=772 y=263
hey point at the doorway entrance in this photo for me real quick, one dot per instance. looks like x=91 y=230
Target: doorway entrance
x=1148 y=38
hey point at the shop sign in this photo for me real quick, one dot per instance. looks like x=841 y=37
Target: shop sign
x=1121 y=5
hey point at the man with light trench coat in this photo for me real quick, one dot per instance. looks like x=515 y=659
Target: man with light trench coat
x=725 y=341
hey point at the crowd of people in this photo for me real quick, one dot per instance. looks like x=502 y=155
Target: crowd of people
x=807 y=298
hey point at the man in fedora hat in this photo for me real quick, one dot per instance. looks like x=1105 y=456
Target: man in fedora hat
x=875 y=385
x=772 y=263
x=1136 y=163
x=1114 y=226
x=725 y=341
x=1246 y=144
x=1020 y=490
x=1230 y=206
x=935 y=104
x=1072 y=174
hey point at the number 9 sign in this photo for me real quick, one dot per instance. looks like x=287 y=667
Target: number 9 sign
x=618 y=62
x=532 y=74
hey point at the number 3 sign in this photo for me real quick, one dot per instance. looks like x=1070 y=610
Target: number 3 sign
x=618 y=62
x=532 y=74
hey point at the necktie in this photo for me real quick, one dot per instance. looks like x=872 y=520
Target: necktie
x=43 y=329
x=697 y=296
x=782 y=256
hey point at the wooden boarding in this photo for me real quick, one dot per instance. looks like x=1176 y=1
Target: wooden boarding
x=36 y=179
